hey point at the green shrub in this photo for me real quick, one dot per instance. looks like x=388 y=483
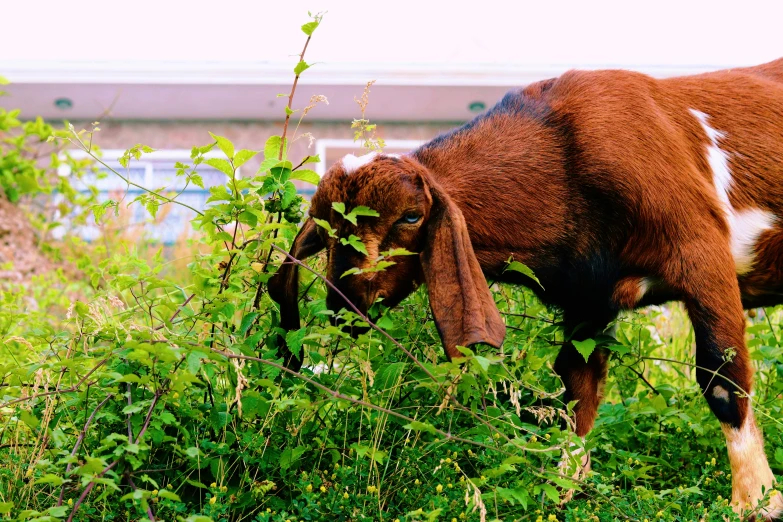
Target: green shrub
x=136 y=393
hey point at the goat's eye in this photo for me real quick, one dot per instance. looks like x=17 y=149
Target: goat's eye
x=410 y=218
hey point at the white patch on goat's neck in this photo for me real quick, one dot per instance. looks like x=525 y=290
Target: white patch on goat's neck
x=353 y=163
x=745 y=226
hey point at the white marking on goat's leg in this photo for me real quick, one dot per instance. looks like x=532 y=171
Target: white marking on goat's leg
x=352 y=163
x=719 y=392
x=750 y=469
x=745 y=226
x=574 y=463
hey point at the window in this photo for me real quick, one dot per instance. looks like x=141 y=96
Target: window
x=153 y=171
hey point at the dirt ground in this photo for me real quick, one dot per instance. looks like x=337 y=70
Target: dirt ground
x=20 y=257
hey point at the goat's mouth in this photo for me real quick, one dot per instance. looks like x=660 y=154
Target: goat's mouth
x=355 y=326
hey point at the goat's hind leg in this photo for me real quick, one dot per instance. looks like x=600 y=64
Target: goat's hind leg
x=725 y=375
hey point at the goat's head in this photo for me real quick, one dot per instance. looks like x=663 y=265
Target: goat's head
x=415 y=214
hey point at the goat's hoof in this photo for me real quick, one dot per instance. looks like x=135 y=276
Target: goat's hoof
x=575 y=465
x=772 y=512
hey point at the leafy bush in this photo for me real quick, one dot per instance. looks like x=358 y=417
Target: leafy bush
x=136 y=393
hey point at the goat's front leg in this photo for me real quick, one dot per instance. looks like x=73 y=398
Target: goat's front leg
x=584 y=382
x=725 y=375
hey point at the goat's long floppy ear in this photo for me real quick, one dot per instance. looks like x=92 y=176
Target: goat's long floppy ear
x=461 y=302
x=284 y=285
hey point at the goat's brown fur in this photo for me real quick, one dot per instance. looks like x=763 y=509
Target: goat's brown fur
x=619 y=191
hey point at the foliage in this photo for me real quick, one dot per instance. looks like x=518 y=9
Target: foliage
x=146 y=394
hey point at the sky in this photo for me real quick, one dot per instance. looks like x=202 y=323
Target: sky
x=395 y=33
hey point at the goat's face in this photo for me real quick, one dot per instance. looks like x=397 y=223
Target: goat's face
x=414 y=214
x=394 y=187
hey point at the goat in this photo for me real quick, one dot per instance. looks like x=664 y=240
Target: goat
x=619 y=191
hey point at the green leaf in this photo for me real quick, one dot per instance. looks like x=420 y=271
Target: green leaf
x=388 y=375
x=585 y=347
x=225 y=145
x=50 y=479
x=247 y=321
x=29 y=419
x=301 y=67
x=243 y=156
x=6 y=507
x=364 y=211
x=169 y=495
x=58 y=511
x=421 y=426
x=398 y=252
x=289 y=193
x=131 y=409
x=355 y=242
x=516 y=266
x=294 y=339
x=272 y=148
x=222 y=165
x=326 y=226
x=290 y=456
x=197 y=518
x=551 y=492
x=620 y=348
x=310 y=176
x=4 y=80
x=339 y=207
x=309 y=27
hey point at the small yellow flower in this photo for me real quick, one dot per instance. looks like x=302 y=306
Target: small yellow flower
x=713 y=461
x=659 y=514
x=547 y=436
x=213 y=485
x=223 y=489
x=345 y=495
x=336 y=465
x=417 y=482
x=496 y=435
x=213 y=500
x=323 y=489
x=448 y=460
x=630 y=461
x=551 y=518
x=309 y=488
x=175 y=395
x=169 y=486
x=439 y=488
x=155 y=492
x=540 y=519
x=371 y=489
x=449 y=485
x=70 y=502
x=533 y=439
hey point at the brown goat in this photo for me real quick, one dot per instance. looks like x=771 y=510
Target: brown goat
x=619 y=191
